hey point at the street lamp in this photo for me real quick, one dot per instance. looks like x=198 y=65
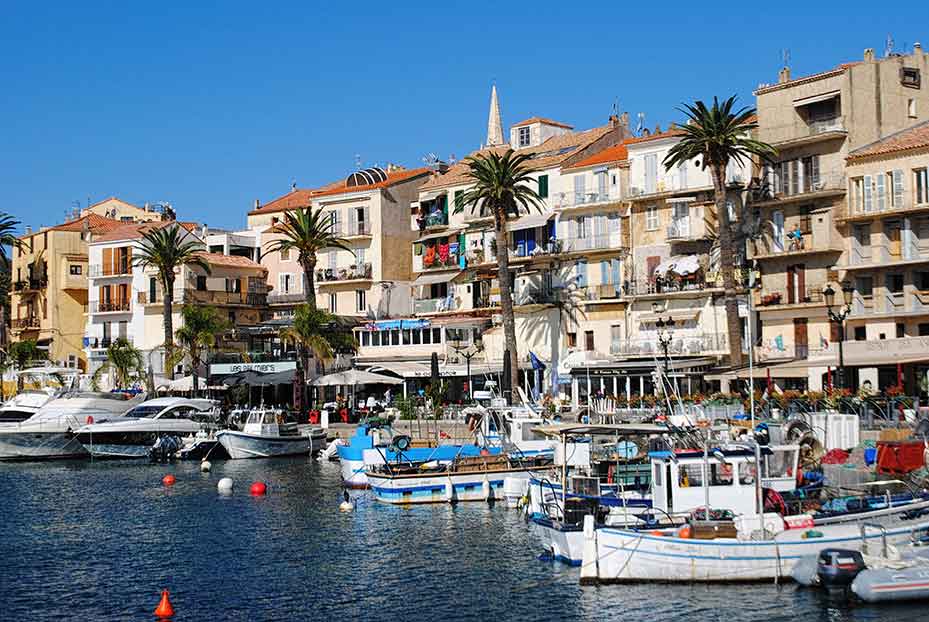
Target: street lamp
x=664 y=326
x=468 y=351
x=838 y=316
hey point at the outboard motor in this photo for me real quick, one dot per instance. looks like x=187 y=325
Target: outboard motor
x=165 y=448
x=837 y=568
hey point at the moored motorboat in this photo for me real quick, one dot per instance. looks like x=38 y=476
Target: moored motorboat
x=45 y=383
x=267 y=435
x=134 y=434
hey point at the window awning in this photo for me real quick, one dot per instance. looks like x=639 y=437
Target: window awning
x=433 y=194
x=436 y=277
x=812 y=99
x=680 y=315
x=529 y=221
x=438 y=234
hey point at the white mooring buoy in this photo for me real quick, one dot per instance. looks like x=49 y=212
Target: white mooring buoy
x=205 y=466
x=225 y=486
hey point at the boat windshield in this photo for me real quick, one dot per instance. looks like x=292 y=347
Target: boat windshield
x=144 y=411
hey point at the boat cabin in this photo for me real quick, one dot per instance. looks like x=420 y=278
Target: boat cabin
x=268 y=422
x=684 y=481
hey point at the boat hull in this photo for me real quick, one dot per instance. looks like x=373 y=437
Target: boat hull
x=40 y=446
x=443 y=487
x=240 y=445
x=354 y=464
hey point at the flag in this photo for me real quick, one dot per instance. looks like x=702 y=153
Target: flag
x=536 y=363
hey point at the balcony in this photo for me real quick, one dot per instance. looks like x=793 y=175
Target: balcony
x=806 y=242
x=434 y=305
x=118 y=306
x=437 y=258
x=358 y=229
x=666 y=287
x=855 y=210
x=27 y=285
x=120 y=268
x=535 y=295
x=26 y=323
x=819 y=186
x=608 y=291
x=354 y=272
x=691 y=345
x=816 y=130
x=686 y=229
x=775 y=298
x=102 y=343
x=210 y=297
x=608 y=241
x=286 y=298
x=569 y=200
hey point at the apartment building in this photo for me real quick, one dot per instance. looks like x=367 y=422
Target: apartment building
x=123 y=211
x=49 y=287
x=807 y=239
x=370 y=209
x=127 y=301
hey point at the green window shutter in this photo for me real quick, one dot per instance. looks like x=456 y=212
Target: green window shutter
x=543 y=186
x=459 y=194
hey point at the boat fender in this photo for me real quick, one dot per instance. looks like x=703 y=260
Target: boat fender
x=685 y=532
x=90 y=419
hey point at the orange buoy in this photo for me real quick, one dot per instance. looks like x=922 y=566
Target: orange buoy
x=164 y=608
x=258 y=489
x=168 y=480
x=90 y=419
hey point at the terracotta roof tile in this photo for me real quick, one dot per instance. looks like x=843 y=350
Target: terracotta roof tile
x=670 y=132
x=550 y=153
x=911 y=138
x=302 y=197
x=135 y=230
x=96 y=223
x=532 y=120
x=616 y=153
x=234 y=261
x=835 y=71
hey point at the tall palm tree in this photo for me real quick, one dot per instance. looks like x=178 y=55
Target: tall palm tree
x=8 y=226
x=501 y=185
x=124 y=360
x=313 y=331
x=202 y=324
x=165 y=250
x=22 y=353
x=307 y=232
x=717 y=136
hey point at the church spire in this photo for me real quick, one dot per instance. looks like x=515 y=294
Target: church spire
x=494 y=125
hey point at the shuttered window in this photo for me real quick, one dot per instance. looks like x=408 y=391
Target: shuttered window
x=881 y=203
x=867 y=193
x=897 y=177
x=543 y=187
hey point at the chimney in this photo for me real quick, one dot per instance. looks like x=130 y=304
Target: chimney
x=614 y=121
x=658 y=129
x=205 y=231
x=624 y=120
x=783 y=75
x=28 y=229
x=257 y=203
x=293 y=187
x=917 y=48
x=869 y=55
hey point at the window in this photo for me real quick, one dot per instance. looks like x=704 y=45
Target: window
x=895 y=283
x=746 y=473
x=901 y=330
x=867 y=193
x=651 y=218
x=286 y=282
x=152 y=289
x=689 y=475
x=651 y=173
x=861 y=333
x=365 y=338
x=909 y=76
x=334 y=222
x=858 y=194
x=580 y=273
x=333 y=306
x=285 y=254
x=923 y=330
x=72 y=361
x=911 y=108
x=572 y=340
x=232 y=317
x=922 y=281
x=895 y=182
x=75 y=269
x=543 y=186
x=361 y=304
x=579 y=189
x=589 y=340
x=201 y=283
x=436 y=335
x=682 y=175
x=921 y=182
x=524 y=136
x=234 y=286
x=865 y=285
x=360 y=256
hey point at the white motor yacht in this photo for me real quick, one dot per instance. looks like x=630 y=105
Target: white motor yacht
x=47 y=381
x=134 y=434
x=50 y=432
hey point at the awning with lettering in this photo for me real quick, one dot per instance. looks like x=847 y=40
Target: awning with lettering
x=812 y=99
x=396 y=324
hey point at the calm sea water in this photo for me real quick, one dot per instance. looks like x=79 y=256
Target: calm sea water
x=99 y=541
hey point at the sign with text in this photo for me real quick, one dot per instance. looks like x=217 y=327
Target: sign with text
x=223 y=369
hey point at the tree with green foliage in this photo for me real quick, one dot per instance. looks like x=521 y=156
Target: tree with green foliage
x=503 y=188
x=716 y=136
x=124 y=361
x=167 y=249
x=24 y=353
x=202 y=324
x=307 y=232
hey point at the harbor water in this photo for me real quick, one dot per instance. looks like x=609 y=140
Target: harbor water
x=98 y=541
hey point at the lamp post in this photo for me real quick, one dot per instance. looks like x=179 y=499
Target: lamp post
x=838 y=316
x=468 y=352
x=664 y=326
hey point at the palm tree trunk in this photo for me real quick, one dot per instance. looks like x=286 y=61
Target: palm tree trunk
x=194 y=366
x=727 y=267
x=506 y=296
x=168 y=285
x=309 y=272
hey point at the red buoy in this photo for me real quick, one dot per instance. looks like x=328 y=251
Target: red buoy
x=168 y=480
x=258 y=489
x=164 y=608
x=90 y=419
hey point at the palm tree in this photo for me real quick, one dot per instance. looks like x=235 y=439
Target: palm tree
x=22 y=353
x=501 y=186
x=718 y=136
x=166 y=250
x=307 y=232
x=313 y=331
x=202 y=324
x=124 y=360
x=8 y=226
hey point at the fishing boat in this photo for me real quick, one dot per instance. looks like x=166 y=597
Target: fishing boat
x=267 y=435
x=472 y=478
x=134 y=434
x=50 y=432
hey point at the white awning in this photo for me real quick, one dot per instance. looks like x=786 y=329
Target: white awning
x=812 y=99
x=680 y=315
x=665 y=266
x=529 y=221
x=686 y=265
x=404 y=369
x=430 y=278
x=428 y=196
x=439 y=234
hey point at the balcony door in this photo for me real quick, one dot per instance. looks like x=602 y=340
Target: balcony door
x=777 y=225
x=801 y=338
x=796 y=284
x=892 y=231
x=680 y=218
x=651 y=172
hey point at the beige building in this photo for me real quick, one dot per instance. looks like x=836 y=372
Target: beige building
x=49 y=287
x=117 y=209
x=815 y=122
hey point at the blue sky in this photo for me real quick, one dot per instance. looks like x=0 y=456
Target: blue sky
x=212 y=105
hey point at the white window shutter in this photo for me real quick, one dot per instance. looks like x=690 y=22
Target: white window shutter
x=880 y=193
x=867 y=193
x=898 y=188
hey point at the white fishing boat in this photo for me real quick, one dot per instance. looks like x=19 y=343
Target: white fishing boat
x=266 y=435
x=134 y=434
x=50 y=432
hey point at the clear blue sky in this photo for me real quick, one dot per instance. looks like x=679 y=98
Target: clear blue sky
x=212 y=105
